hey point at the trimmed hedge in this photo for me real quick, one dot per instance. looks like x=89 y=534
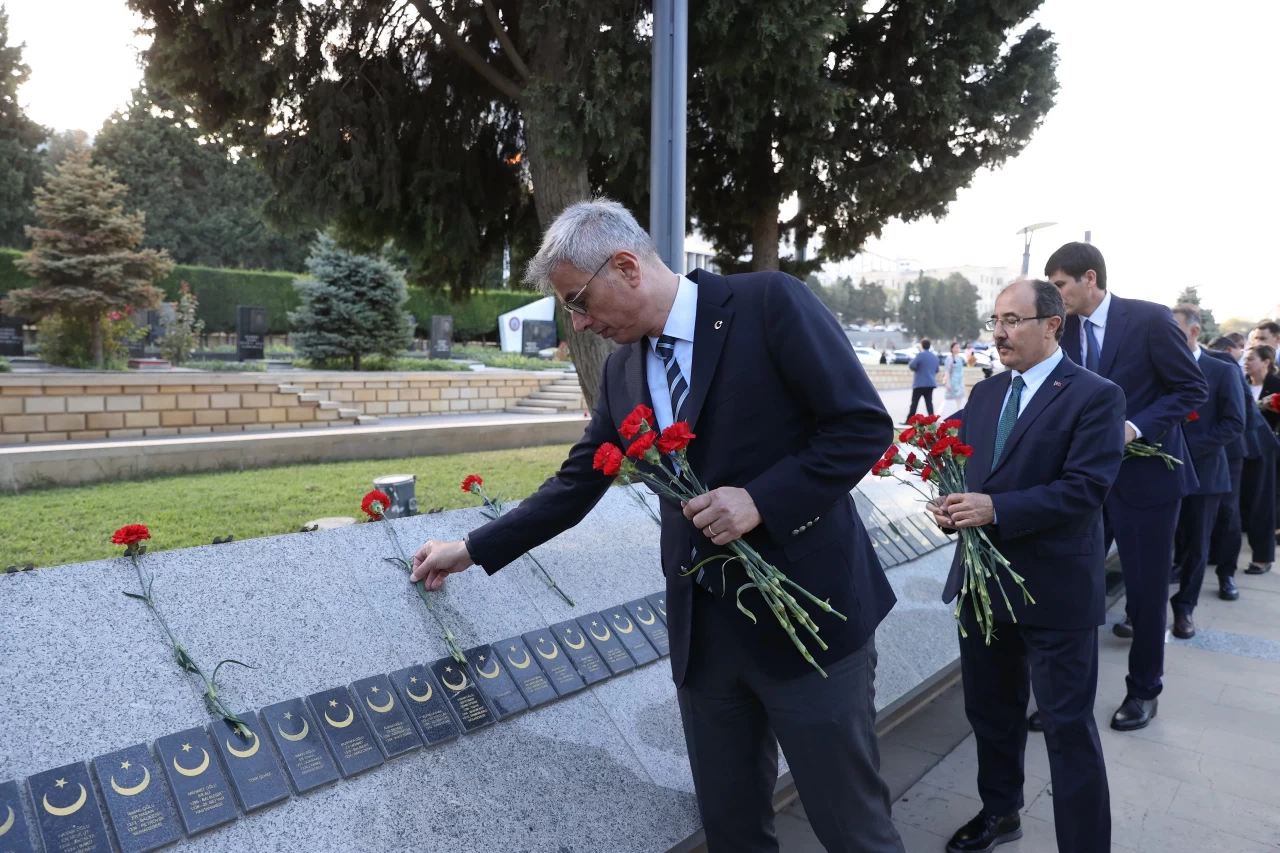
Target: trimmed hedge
x=221 y=290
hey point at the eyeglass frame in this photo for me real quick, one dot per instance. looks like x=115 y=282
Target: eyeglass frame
x=991 y=322
x=572 y=305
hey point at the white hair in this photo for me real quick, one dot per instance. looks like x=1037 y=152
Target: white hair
x=585 y=235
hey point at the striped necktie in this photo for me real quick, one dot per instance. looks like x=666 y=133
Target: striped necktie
x=676 y=384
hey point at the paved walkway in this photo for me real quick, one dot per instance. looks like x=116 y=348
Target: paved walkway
x=1205 y=775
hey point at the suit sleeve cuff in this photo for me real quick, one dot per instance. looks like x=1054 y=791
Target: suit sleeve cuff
x=1134 y=427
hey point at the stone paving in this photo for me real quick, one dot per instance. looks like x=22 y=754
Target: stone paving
x=1205 y=775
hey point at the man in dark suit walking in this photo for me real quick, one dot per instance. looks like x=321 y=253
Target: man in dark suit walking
x=1048 y=439
x=1217 y=425
x=787 y=423
x=1139 y=347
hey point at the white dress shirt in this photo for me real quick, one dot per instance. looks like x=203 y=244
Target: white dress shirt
x=1034 y=378
x=680 y=323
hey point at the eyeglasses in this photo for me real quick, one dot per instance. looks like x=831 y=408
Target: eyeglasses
x=1011 y=323
x=573 y=304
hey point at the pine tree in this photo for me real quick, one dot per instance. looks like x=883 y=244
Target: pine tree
x=85 y=261
x=21 y=170
x=351 y=306
x=1208 y=325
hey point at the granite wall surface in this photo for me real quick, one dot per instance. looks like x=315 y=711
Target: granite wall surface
x=86 y=671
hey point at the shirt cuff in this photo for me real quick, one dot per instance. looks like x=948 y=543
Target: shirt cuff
x=1137 y=432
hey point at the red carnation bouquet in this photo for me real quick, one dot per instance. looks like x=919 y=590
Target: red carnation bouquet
x=1270 y=403
x=671 y=475
x=374 y=505
x=474 y=484
x=132 y=536
x=938 y=459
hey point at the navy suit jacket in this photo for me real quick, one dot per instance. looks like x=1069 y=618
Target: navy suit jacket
x=782 y=408
x=1257 y=438
x=1145 y=353
x=1048 y=488
x=1221 y=424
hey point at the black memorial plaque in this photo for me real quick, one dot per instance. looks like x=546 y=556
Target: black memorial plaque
x=885 y=559
x=142 y=815
x=926 y=525
x=463 y=695
x=890 y=552
x=537 y=335
x=255 y=774
x=344 y=730
x=15 y=836
x=441 y=336
x=67 y=812
x=904 y=543
x=528 y=675
x=426 y=704
x=555 y=661
x=915 y=535
x=655 y=630
x=497 y=685
x=658 y=601
x=611 y=650
x=297 y=738
x=585 y=659
x=387 y=716
x=625 y=629
x=251 y=332
x=11 y=340
x=195 y=777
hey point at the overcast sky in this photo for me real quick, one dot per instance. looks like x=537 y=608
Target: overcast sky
x=1163 y=141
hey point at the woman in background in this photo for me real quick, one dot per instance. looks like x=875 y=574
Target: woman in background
x=953 y=368
x=1258 y=478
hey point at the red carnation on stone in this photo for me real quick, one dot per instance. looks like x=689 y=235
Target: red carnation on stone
x=608 y=459
x=472 y=482
x=375 y=504
x=641 y=445
x=641 y=416
x=130 y=534
x=675 y=438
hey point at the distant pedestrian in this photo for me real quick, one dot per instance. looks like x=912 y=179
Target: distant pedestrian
x=884 y=356
x=953 y=369
x=925 y=366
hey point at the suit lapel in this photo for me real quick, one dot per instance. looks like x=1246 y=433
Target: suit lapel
x=637 y=377
x=710 y=330
x=981 y=434
x=1071 y=338
x=1045 y=394
x=1117 y=320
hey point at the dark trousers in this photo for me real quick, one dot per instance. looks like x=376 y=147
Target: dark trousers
x=735 y=716
x=1228 y=530
x=1258 y=507
x=1144 y=537
x=918 y=394
x=1195 y=523
x=1062 y=668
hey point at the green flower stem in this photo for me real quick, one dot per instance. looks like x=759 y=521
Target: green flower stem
x=496 y=508
x=1144 y=449
x=182 y=656
x=450 y=641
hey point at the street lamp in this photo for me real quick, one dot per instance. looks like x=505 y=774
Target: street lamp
x=1026 y=243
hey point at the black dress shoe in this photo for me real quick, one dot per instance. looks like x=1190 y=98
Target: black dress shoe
x=1034 y=723
x=1123 y=629
x=1255 y=569
x=984 y=832
x=1133 y=714
x=1227 y=589
x=1183 y=627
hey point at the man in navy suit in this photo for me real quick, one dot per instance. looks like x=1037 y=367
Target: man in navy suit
x=1048 y=440
x=1218 y=425
x=787 y=423
x=1139 y=347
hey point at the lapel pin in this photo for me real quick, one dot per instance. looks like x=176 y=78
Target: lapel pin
x=719 y=323
x=1057 y=384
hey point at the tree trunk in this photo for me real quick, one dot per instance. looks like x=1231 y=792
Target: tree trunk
x=355 y=361
x=95 y=340
x=764 y=240
x=557 y=183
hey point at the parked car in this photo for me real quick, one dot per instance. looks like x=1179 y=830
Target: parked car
x=902 y=356
x=866 y=355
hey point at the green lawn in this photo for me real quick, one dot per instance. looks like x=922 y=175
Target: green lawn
x=51 y=527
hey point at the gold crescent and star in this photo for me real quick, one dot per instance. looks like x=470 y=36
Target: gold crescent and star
x=381 y=709
x=339 y=724
x=662 y=608
x=527 y=660
x=8 y=824
x=444 y=679
x=300 y=735
x=621 y=630
x=200 y=768
x=414 y=696
x=555 y=650
x=136 y=789
x=640 y=616
x=606 y=636
x=65 y=811
x=245 y=753
x=582 y=641
x=496 y=671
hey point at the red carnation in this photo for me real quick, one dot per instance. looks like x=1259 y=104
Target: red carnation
x=962 y=450
x=130 y=534
x=608 y=459
x=911 y=460
x=642 y=444
x=472 y=480
x=891 y=452
x=675 y=437
x=1275 y=403
x=375 y=497
x=929 y=420
x=640 y=416
x=951 y=424
x=940 y=447
x=914 y=419
x=907 y=434
x=1194 y=416
x=926 y=473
